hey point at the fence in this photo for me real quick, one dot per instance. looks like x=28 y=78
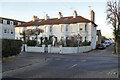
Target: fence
x=60 y=49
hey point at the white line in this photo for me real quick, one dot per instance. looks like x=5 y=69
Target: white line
x=74 y=65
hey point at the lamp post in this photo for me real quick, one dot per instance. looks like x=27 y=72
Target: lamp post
x=78 y=39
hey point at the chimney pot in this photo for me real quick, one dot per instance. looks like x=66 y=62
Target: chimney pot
x=59 y=15
x=75 y=14
x=92 y=16
x=35 y=18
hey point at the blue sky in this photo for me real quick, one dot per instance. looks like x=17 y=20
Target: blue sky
x=25 y=10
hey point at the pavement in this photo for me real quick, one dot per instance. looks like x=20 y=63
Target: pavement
x=94 y=64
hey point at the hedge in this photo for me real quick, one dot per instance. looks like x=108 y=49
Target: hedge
x=11 y=47
x=31 y=43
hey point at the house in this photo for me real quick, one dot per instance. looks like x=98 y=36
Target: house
x=7 y=28
x=62 y=28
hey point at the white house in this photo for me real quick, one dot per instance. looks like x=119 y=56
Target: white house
x=7 y=28
x=63 y=27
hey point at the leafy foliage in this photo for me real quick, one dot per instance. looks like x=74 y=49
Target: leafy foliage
x=31 y=43
x=85 y=43
x=11 y=47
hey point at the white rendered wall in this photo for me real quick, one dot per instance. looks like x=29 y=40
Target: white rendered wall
x=8 y=35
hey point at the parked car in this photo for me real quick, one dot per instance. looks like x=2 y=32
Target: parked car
x=107 y=43
x=101 y=46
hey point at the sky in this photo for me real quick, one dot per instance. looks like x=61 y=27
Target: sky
x=24 y=11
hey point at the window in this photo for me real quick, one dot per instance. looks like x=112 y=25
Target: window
x=11 y=31
x=4 y=21
x=85 y=27
x=15 y=23
x=50 y=28
x=11 y=22
x=62 y=28
x=5 y=30
x=80 y=27
x=73 y=27
x=66 y=28
x=19 y=23
x=8 y=22
x=46 y=29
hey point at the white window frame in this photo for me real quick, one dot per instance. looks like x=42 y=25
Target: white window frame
x=51 y=28
x=67 y=28
x=11 y=22
x=19 y=23
x=4 y=21
x=62 y=28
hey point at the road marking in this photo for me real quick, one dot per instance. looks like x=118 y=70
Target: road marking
x=83 y=60
x=74 y=65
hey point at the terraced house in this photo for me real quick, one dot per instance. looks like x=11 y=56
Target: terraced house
x=63 y=28
x=7 y=27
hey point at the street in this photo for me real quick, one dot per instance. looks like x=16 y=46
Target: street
x=82 y=65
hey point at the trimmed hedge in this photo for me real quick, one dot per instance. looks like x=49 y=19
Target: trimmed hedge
x=11 y=47
x=31 y=43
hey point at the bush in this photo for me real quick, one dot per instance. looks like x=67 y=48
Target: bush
x=11 y=47
x=31 y=43
x=85 y=43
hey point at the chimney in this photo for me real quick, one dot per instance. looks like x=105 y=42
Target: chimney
x=59 y=15
x=92 y=16
x=35 y=18
x=46 y=17
x=75 y=14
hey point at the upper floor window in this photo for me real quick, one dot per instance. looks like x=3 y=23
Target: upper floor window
x=8 y=22
x=62 y=28
x=50 y=28
x=4 y=21
x=80 y=27
x=46 y=28
x=66 y=28
x=85 y=27
x=11 y=22
x=15 y=23
x=73 y=29
x=11 y=31
x=19 y=23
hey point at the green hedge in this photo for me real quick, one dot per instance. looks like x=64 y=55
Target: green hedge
x=85 y=43
x=11 y=47
x=31 y=43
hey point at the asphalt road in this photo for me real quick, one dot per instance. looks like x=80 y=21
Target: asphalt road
x=66 y=66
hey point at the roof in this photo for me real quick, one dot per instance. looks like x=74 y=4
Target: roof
x=52 y=21
x=1 y=18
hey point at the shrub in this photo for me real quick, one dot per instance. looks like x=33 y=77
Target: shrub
x=11 y=47
x=31 y=43
x=85 y=43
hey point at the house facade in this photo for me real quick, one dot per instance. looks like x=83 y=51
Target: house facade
x=62 y=28
x=7 y=28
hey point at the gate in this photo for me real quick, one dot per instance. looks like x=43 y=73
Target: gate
x=46 y=49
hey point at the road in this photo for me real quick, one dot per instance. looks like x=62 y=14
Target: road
x=63 y=66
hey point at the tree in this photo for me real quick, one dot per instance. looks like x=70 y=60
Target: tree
x=113 y=17
x=34 y=32
x=24 y=36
